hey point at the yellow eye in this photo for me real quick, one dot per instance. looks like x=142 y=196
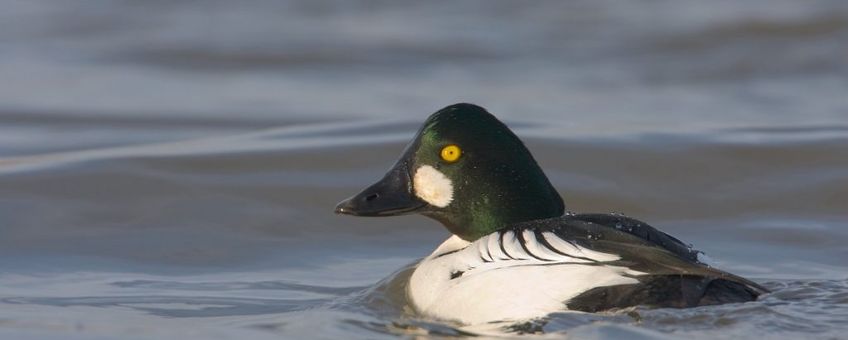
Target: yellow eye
x=451 y=153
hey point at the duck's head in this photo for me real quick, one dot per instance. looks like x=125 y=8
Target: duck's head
x=466 y=170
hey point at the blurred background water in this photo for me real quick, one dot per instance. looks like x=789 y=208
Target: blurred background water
x=169 y=168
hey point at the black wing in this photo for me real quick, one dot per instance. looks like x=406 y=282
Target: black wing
x=603 y=222
x=675 y=277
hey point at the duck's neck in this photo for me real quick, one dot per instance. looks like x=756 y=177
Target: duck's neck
x=484 y=216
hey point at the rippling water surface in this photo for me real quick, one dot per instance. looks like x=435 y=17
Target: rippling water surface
x=169 y=169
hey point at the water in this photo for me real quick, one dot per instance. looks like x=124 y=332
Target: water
x=169 y=169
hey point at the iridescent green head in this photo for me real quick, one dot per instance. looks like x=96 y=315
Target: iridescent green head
x=466 y=170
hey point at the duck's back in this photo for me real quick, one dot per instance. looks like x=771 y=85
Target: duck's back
x=588 y=262
x=675 y=276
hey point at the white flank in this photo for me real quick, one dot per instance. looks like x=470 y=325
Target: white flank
x=433 y=186
x=497 y=279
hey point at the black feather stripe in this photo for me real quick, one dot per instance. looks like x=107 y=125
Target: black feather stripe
x=523 y=242
x=488 y=252
x=501 y=244
x=449 y=252
x=541 y=237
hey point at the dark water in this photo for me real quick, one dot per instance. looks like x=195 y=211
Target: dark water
x=169 y=169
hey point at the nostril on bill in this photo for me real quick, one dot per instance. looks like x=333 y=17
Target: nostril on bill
x=372 y=197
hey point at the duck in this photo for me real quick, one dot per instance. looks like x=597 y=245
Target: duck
x=515 y=253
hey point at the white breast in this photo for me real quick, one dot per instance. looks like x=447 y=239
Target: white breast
x=508 y=277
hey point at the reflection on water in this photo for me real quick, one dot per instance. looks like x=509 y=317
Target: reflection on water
x=169 y=169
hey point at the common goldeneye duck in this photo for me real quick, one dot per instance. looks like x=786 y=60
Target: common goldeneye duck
x=515 y=254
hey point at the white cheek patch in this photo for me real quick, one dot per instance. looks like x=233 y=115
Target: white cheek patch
x=432 y=186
